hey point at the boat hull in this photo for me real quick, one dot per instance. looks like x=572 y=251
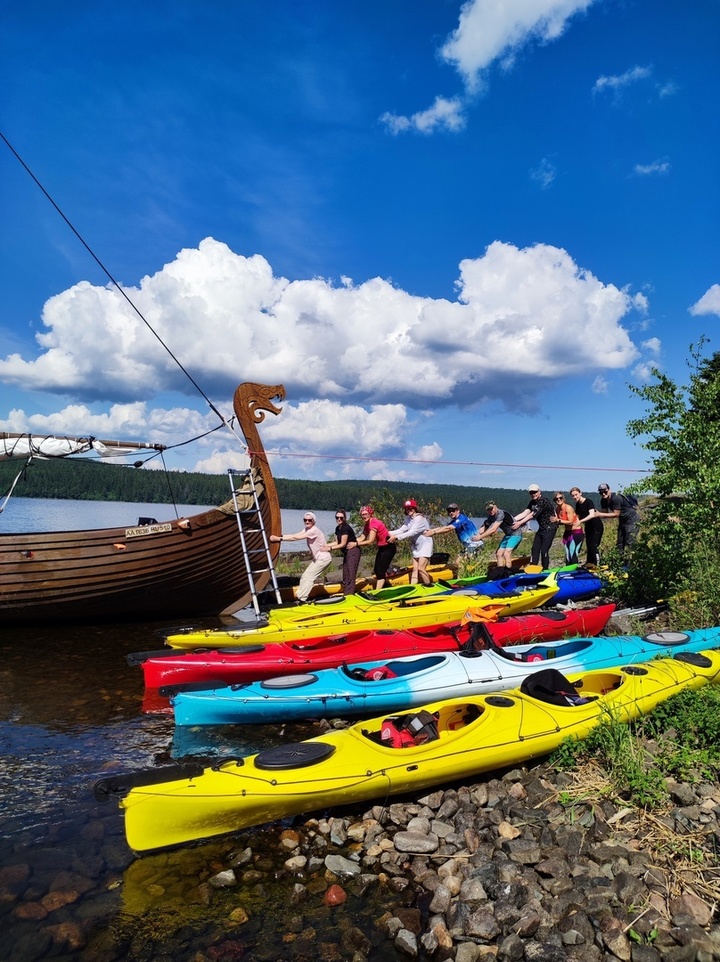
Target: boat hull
x=475 y=735
x=338 y=692
x=318 y=620
x=181 y=568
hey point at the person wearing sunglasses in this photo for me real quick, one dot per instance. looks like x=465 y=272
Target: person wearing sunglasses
x=347 y=542
x=463 y=527
x=573 y=534
x=500 y=519
x=622 y=507
x=542 y=511
x=318 y=547
x=375 y=532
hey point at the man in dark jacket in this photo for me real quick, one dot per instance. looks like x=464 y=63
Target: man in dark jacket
x=613 y=505
x=542 y=511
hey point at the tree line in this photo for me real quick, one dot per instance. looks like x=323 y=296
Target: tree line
x=98 y=481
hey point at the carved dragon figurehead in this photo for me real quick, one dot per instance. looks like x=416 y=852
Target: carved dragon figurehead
x=251 y=402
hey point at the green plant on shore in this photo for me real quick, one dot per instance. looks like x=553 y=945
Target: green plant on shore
x=290 y=563
x=613 y=746
x=644 y=939
x=676 y=556
x=680 y=738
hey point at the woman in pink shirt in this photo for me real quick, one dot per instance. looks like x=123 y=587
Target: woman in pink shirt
x=375 y=532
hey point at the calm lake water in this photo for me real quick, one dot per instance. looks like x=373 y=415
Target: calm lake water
x=70 y=711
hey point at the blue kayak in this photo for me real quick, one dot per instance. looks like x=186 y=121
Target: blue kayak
x=573 y=585
x=394 y=685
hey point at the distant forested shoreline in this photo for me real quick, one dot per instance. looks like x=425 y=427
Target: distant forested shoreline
x=97 y=481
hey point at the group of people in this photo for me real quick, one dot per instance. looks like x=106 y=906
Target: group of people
x=375 y=532
x=580 y=524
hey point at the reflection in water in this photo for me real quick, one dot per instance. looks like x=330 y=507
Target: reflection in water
x=70 y=712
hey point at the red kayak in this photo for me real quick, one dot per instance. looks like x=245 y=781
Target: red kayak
x=228 y=666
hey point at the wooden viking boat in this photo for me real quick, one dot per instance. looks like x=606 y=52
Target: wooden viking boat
x=185 y=567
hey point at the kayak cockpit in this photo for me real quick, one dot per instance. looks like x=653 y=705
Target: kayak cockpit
x=417 y=728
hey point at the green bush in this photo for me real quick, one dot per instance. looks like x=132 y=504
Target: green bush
x=676 y=556
x=680 y=738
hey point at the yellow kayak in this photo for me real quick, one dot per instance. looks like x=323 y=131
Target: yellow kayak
x=471 y=735
x=356 y=613
x=438 y=572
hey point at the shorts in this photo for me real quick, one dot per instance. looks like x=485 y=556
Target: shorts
x=510 y=541
x=470 y=547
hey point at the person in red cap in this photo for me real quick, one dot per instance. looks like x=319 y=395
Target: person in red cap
x=375 y=532
x=422 y=546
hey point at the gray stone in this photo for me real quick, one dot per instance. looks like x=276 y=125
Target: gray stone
x=418 y=824
x=645 y=953
x=511 y=948
x=341 y=866
x=472 y=890
x=223 y=880
x=441 y=900
x=434 y=800
x=544 y=952
x=481 y=924
x=416 y=842
x=406 y=942
x=523 y=850
x=468 y=952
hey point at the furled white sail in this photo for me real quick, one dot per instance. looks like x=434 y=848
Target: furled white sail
x=35 y=446
x=24 y=446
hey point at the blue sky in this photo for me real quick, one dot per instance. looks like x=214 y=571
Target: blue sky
x=455 y=232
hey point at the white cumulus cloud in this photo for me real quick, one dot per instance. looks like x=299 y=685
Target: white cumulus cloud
x=361 y=362
x=544 y=174
x=443 y=115
x=709 y=303
x=656 y=167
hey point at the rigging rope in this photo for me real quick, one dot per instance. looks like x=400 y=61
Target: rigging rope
x=477 y=464
x=9 y=494
x=118 y=288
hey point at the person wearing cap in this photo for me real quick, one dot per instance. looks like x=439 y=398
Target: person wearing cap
x=463 y=527
x=421 y=545
x=499 y=519
x=321 y=557
x=375 y=532
x=542 y=511
x=614 y=505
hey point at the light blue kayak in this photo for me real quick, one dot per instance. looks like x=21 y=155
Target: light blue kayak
x=409 y=682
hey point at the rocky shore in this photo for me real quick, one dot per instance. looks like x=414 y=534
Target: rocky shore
x=518 y=867
x=534 y=864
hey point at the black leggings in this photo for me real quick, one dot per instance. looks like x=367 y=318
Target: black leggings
x=592 y=545
x=540 y=552
x=383 y=558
